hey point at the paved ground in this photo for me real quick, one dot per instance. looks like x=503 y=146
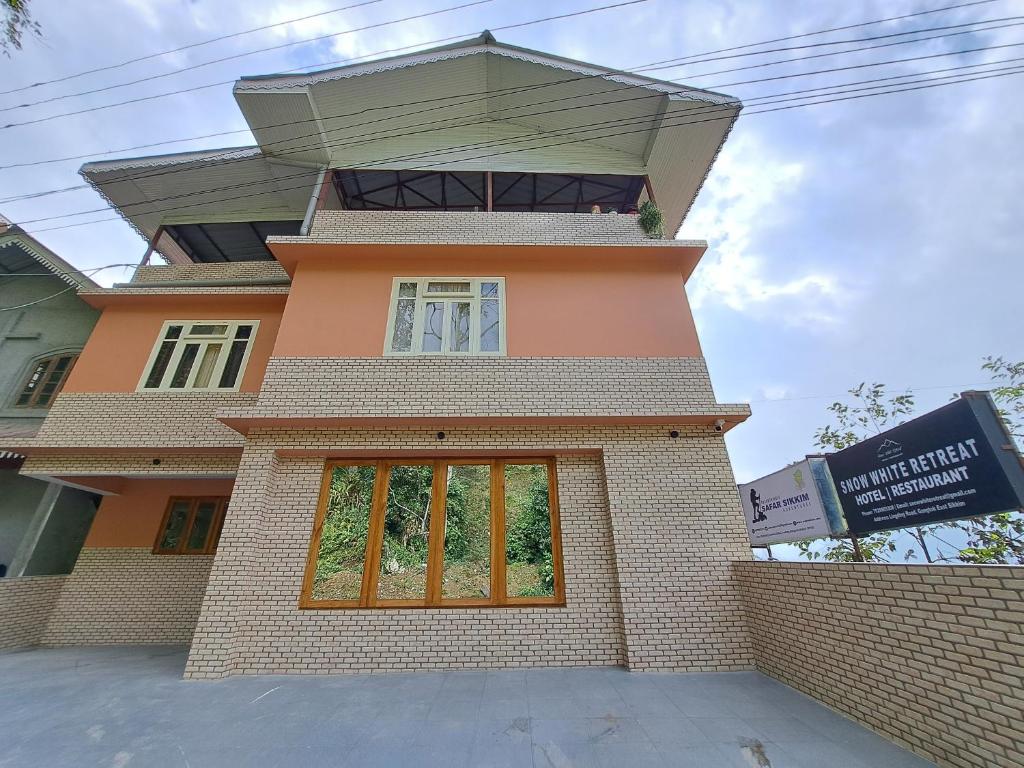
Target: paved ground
x=128 y=707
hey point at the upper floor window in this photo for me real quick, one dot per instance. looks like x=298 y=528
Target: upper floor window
x=45 y=380
x=200 y=354
x=446 y=316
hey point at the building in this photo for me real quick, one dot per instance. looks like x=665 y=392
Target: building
x=43 y=327
x=399 y=399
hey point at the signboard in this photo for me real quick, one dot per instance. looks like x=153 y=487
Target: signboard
x=955 y=462
x=785 y=506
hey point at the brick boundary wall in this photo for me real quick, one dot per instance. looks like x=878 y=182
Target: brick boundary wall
x=931 y=657
x=128 y=595
x=642 y=586
x=25 y=606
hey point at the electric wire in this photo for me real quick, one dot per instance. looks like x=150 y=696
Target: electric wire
x=818 y=100
x=229 y=155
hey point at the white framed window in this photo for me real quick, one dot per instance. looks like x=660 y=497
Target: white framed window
x=446 y=316
x=199 y=354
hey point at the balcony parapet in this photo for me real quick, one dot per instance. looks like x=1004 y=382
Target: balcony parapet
x=106 y=421
x=480 y=228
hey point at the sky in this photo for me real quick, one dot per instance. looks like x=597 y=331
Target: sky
x=871 y=240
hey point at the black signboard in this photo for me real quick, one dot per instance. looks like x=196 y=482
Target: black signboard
x=955 y=462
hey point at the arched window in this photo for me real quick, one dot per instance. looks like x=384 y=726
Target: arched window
x=45 y=380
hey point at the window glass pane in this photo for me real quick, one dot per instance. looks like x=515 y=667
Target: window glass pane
x=433 y=322
x=442 y=287
x=339 y=561
x=175 y=527
x=459 y=338
x=233 y=365
x=206 y=366
x=243 y=332
x=173 y=332
x=467 y=533
x=208 y=330
x=401 y=339
x=33 y=381
x=529 y=572
x=407 y=290
x=489 y=290
x=163 y=357
x=201 y=524
x=403 y=559
x=188 y=357
x=490 y=326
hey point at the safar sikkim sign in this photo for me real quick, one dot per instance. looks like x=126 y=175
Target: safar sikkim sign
x=958 y=461
x=788 y=505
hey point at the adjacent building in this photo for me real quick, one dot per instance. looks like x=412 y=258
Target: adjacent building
x=414 y=388
x=43 y=327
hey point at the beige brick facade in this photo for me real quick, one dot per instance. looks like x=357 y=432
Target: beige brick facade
x=25 y=605
x=480 y=387
x=479 y=228
x=642 y=587
x=129 y=595
x=931 y=657
x=140 y=420
x=185 y=273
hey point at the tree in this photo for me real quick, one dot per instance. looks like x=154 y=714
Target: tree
x=993 y=539
x=16 y=22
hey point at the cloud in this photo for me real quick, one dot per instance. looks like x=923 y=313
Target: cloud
x=750 y=191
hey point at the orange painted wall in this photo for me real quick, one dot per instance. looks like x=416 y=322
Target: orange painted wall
x=132 y=519
x=117 y=352
x=573 y=307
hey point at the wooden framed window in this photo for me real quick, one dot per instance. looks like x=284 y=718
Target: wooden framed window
x=199 y=354
x=446 y=316
x=45 y=380
x=417 y=533
x=191 y=525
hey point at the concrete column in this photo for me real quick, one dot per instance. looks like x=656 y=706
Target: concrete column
x=35 y=530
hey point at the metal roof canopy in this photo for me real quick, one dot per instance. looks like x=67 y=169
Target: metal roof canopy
x=467 y=191
x=231 y=241
x=481 y=105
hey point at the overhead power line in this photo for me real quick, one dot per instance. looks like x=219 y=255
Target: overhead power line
x=840 y=96
x=228 y=82
x=723 y=57
x=266 y=49
x=229 y=155
x=181 y=48
x=354 y=58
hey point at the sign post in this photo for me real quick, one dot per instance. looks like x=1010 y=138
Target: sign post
x=790 y=505
x=956 y=462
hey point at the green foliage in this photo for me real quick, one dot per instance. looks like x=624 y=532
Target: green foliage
x=15 y=23
x=407 y=515
x=528 y=534
x=650 y=219
x=1008 y=393
x=343 y=540
x=993 y=540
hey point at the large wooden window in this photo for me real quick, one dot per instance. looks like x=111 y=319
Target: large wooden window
x=191 y=525
x=45 y=380
x=414 y=533
x=203 y=354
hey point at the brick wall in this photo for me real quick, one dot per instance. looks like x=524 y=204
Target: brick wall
x=480 y=228
x=642 y=585
x=140 y=420
x=129 y=595
x=931 y=657
x=488 y=387
x=25 y=605
x=241 y=270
